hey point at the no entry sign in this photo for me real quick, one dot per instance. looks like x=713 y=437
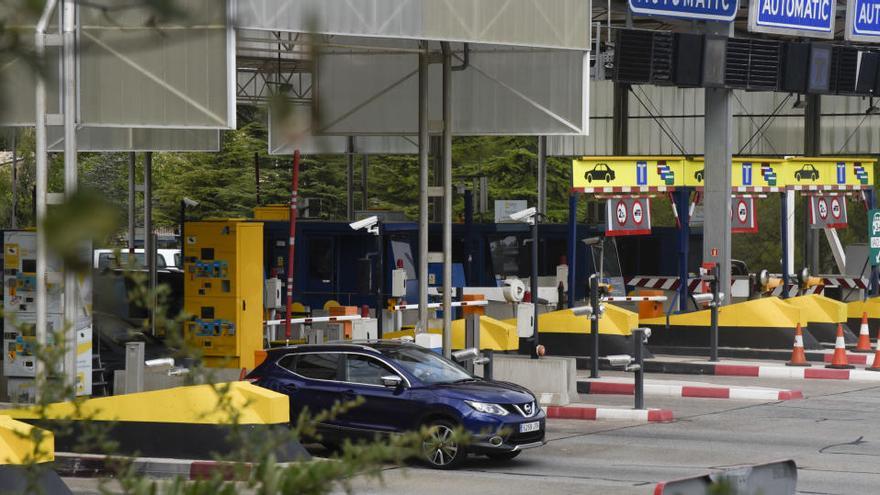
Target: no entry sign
x=827 y=211
x=743 y=218
x=628 y=216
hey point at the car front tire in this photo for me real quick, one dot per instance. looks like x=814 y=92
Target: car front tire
x=441 y=450
x=503 y=456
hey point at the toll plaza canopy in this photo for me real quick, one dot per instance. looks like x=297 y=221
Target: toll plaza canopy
x=635 y=174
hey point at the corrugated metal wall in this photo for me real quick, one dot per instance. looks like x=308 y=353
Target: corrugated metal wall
x=668 y=121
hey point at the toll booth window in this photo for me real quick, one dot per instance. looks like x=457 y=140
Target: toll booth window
x=366 y=370
x=321 y=259
x=316 y=366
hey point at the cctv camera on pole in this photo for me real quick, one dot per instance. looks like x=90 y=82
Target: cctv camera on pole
x=373 y=226
x=530 y=216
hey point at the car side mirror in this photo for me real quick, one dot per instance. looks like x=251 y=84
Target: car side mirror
x=392 y=381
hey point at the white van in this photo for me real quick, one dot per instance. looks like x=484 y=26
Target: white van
x=165 y=259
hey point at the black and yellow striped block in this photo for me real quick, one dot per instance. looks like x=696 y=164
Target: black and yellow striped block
x=821 y=315
x=195 y=422
x=767 y=323
x=855 y=310
x=562 y=333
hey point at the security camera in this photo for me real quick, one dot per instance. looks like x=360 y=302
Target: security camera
x=592 y=241
x=582 y=310
x=370 y=224
x=618 y=360
x=525 y=216
x=189 y=202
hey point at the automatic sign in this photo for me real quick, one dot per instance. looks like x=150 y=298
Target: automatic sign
x=827 y=212
x=628 y=216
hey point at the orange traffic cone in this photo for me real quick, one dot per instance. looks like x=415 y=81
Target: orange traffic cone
x=875 y=365
x=797 y=353
x=864 y=344
x=838 y=360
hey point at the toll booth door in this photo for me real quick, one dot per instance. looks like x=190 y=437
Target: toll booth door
x=321 y=262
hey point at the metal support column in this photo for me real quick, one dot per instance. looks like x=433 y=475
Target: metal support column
x=719 y=150
x=132 y=160
x=14 y=223
x=620 y=119
x=257 y=187
x=812 y=115
x=595 y=300
x=542 y=175
x=42 y=176
x=682 y=205
x=783 y=215
x=149 y=239
x=423 y=187
x=447 y=200
x=534 y=285
x=365 y=166
x=349 y=182
x=572 y=247
x=70 y=180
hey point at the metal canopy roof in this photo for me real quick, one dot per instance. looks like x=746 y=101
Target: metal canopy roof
x=561 y=24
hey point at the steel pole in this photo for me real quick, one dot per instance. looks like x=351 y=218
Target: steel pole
x=682 y=199
x=572 y=247
x=14 y=223
x=542 y=175
x=132 y=158
x=783 y=203
x=349 y=179
x=380 y=280
x=639 y=361
x=70 y=181
x=594 y=326
x=291 y=242
x=424 y=144
x=256 y=178
x=42 y=175
x=716 y=302
x=447 y=200
x=149 y=238
x=534 y=286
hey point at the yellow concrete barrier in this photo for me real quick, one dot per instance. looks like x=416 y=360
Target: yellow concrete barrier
x=21 y=443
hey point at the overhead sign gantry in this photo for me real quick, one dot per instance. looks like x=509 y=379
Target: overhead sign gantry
x=827 y=180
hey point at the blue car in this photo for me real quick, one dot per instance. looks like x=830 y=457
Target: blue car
x=404 y=387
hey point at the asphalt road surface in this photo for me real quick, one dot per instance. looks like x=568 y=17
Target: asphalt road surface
x=833 y=435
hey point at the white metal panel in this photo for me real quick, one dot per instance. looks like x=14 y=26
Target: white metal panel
x=846 y=128
x=535 y=23
x=139 y=71
x=116 y=139
x=503 y=91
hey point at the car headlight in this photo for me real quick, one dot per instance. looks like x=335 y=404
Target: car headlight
x=486 y=408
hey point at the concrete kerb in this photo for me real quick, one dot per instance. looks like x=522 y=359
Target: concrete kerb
x=93 y=465
x=585 y=412
x=553 y=380
x=686 y=390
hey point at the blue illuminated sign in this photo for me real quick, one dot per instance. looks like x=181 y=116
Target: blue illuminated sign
x=814 y=18
x=707 y=10
x=863 y=20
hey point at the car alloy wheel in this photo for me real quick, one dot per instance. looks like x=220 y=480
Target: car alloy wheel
x=441 y=450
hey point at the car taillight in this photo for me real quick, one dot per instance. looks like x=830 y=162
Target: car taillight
x=253 y=379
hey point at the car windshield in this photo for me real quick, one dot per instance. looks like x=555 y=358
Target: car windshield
x=427 y=366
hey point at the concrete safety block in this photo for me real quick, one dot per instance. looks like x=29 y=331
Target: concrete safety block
x=192 y=422
x=553 y=380
x=20 y=443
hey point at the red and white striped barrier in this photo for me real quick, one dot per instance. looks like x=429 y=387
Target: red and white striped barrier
x=634 y=299
x=693 y=391
x=455 y=304
x=316 y=319
x=575 y=411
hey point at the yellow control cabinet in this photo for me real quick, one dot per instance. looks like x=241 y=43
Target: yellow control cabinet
x=223 y=291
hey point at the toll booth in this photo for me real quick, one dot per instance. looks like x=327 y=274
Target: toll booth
x=20 y=315
x=223 y=291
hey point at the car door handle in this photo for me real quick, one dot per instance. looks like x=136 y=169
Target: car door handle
x=289 y=388
x=349 y=395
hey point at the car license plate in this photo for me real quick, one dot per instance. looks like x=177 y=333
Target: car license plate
x=527 y=427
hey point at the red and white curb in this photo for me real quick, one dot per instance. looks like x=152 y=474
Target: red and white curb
x=694 y=391
x=608 y=413
x=797 y=373
x=865 y=359
x=91 y=465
